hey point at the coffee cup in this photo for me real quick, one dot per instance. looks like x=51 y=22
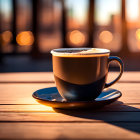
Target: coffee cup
x=81 y=73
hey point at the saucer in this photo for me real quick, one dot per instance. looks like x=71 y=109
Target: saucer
x=51 y=97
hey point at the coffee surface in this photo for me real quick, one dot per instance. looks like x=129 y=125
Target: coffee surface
x=72 y=52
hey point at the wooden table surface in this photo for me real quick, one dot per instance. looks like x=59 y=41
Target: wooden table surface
x=22 y=117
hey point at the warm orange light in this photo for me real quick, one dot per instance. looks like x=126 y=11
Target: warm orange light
x=138 y=45
x=7 y=36
x=106 y=36
x=25 y=38
x=138 y=38
x=138 y=34
x=76 y=37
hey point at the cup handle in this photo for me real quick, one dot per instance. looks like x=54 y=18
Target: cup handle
x=117 y=59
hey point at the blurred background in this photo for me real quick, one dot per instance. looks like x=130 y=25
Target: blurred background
x=29 y=29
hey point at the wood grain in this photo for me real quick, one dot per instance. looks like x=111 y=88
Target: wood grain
x=70 y=117
x=21 y=117
x=69 y=130
x=22 y=93
x=116 y=106
x=26 y=77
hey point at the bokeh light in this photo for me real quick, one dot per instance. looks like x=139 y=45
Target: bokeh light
x=138 y=34
x=25 y=38
x=138 y=38
x=76 y=37
x=6 y=37
x=106 y=36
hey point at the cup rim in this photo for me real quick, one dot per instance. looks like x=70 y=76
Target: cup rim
x=62 y=52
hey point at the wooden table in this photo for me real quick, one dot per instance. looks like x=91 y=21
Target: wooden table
x=21 y=117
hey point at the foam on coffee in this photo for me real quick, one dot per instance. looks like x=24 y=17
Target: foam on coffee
x=79 y=52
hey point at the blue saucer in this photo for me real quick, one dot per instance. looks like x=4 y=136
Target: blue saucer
x=51 y=97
